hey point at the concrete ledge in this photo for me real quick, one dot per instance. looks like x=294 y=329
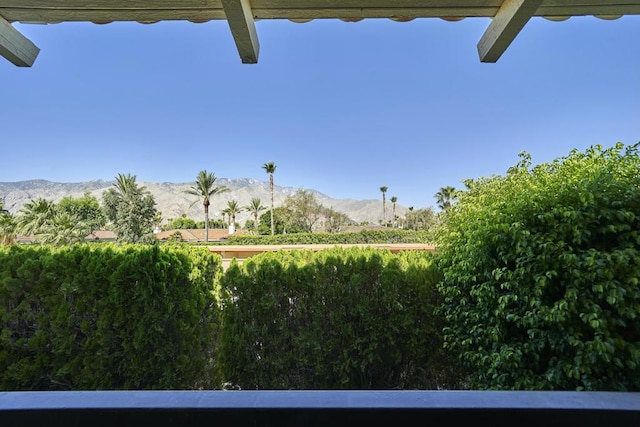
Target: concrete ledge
x=318 y=408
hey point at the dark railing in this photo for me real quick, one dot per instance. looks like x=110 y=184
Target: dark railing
x=319 y=408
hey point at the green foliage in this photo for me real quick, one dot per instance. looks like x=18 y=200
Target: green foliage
x=107 y=317
x=250 y=225
x=281 y=222
x=176 y=236
x=182 y=223
x=7 y=226
x=305 y=211
x=68 y=222
x=255 y=207
x=356 y=237
x=64 y=228
x=446 y=196
x=86 y=209
x=334 y=220
x=541 y=271
x=131 y=209
x=300 y=213
x=421 y=219
x=336 y=319
x=34 y=216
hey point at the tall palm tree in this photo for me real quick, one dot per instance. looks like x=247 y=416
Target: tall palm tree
x=232 y=210
x=384 y=203
x=394 y=199
x=204 y=188
x=445 y=197
x=255 y=207
x=270 y=168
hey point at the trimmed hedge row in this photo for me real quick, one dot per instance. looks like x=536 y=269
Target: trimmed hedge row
x=101 y=317
x=106 y=317
x=356 y=237
x=336 y=319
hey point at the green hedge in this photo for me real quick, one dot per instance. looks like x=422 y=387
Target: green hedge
x=541 y=274
x=356 y=237
x=106 y=317
x=336 y=319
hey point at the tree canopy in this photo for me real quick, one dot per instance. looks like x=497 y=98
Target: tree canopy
x=541 y=274
x=131 y=210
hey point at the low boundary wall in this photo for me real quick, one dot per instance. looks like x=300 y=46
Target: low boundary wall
x=318 y=408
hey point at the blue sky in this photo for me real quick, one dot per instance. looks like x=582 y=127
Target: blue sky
x=343 y=108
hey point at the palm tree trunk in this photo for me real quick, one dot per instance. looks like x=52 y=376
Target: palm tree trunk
x=206 y=223
x=384 y=204
x=271 y=187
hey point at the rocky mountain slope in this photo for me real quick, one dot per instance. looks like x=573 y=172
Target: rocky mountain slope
x=173 y=202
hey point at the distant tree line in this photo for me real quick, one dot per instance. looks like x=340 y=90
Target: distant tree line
x=130 y=211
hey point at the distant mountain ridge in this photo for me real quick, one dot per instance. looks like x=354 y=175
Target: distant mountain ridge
x=173 y=202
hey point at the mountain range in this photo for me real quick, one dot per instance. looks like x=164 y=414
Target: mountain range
x=173 y=202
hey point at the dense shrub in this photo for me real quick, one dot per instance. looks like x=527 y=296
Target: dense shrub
x=334 y=319
x=106 y=317
x=355 y=237
x=541 y=271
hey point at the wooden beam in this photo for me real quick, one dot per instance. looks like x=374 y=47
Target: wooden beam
x=505 y=26
x=101 y=11
x=15 y=47
x=243 y=28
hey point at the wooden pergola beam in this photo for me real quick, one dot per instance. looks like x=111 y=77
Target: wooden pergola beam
x=15 y=47
x=243 y=29
x=505 y=26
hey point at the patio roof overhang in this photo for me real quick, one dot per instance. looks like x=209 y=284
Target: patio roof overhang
x=508 y=17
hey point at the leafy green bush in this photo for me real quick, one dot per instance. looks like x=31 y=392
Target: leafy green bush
x=541 y=271
x=355 y=237
x=336 y=319
x=91 y=317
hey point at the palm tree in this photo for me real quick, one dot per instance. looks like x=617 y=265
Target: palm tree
x=232 y=210
x=36 y=214
x=394 y=199
x=131 y=210
x=270 y=168
x=126 y=184
x=255 y=207
x=7 y=226
x=225 y=213
x=65 y=228
x=204 y=188
x=445 y=197
x=384 y=203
